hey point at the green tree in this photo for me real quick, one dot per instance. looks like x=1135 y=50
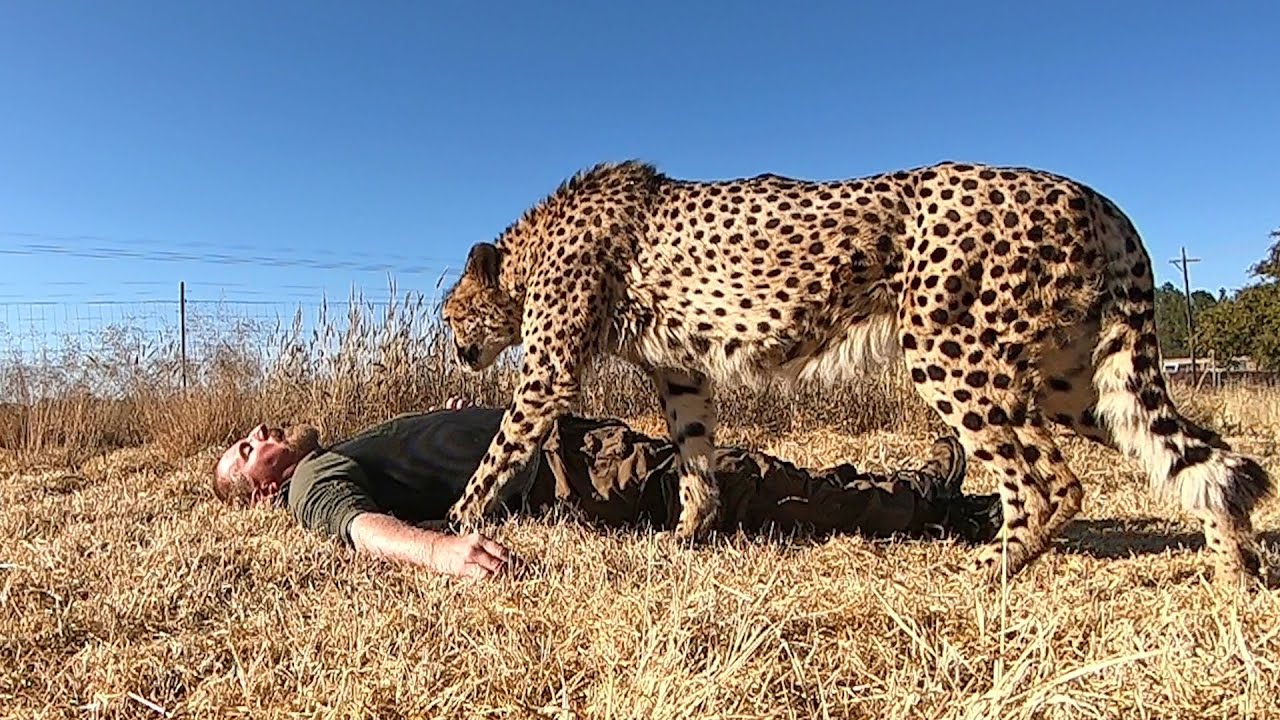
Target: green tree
x=1248 y=323
x=1269 y=267
x=1171 y=317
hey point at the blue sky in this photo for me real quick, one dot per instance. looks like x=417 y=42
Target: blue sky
x=360 y=136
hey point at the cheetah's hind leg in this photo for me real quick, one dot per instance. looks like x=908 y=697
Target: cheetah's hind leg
x=986 y=410
x=688 y=405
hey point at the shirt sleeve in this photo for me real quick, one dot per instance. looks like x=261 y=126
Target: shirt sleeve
x=327 y=492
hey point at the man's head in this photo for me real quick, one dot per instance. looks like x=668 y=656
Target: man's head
x=485 y=319
x=255 y=466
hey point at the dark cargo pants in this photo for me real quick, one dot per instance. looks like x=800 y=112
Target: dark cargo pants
x=619 y=477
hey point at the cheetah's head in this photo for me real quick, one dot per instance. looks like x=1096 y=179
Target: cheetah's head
x=485 y=320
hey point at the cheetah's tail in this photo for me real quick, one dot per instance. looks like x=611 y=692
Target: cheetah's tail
x=1183 y=460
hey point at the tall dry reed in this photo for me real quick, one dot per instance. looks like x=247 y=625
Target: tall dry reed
x=347 y=370
x=375 y=360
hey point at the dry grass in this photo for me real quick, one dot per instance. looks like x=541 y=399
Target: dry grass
x=125 y=591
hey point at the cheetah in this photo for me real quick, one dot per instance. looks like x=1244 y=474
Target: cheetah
x=1019 y=301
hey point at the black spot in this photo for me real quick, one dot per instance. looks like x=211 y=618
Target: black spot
x=1151 y=398
x=674 y=389
x=909 y=341
x=951 y=349
x=944 y=407
x=917 y=375
x=936 y=373
x=1059 y=385
x=1164 y=426
x=1191 y=457
x=1031 y=454
x=972 y=421
x=997 y=416
x=976 y=379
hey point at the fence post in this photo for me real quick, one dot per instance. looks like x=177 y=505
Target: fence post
x=182 y=322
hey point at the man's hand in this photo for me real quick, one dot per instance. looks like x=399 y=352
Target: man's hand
x=471 y=555
x=387 y=537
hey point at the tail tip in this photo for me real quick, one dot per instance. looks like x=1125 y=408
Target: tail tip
x=1248 y=485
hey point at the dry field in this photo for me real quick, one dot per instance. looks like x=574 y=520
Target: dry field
x=125 y=591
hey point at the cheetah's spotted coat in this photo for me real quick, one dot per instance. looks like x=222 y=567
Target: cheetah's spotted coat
x=1017 y=298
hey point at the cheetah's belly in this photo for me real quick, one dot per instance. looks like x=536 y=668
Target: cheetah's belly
x=743 y=348
x=861 y=347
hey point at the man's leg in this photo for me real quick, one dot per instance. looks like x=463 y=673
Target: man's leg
x=613 y=475
x=761 y=491
x=618 y=477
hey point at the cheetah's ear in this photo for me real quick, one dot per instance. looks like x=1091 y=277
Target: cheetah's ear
x=483 y=263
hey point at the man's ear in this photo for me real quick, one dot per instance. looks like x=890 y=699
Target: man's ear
x=483 y=263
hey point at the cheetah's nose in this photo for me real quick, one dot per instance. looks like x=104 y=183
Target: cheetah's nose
x=469 y=354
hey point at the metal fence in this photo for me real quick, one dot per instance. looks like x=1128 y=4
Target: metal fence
x=33 y=329
x=1225 y=378
x=183 y=333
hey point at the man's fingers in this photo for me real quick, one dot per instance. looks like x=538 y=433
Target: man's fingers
x=490 y=563
x=496 y=549
x=475 y=570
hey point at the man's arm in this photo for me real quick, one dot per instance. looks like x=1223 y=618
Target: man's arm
x=328 y=495
x=389 y=538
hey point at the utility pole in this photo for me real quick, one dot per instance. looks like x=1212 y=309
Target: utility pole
x=1186 y=287
x=182 y=322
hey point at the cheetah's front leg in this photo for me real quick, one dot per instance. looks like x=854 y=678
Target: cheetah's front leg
x=543 y=397
x=688 y=405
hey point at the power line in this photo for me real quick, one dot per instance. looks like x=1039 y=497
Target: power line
x=257 y=261
x=300 y=301
x=401 y=265
x=219 y=247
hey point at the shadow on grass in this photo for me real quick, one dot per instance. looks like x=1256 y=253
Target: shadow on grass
x=1110 y=539
x=1115 y=539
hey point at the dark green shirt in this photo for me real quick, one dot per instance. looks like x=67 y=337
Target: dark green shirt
x=414 y=467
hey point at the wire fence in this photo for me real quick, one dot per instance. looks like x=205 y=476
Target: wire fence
x=33 y=330
x=106 y=346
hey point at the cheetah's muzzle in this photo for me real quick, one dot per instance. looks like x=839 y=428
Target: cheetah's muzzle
x=469 y=355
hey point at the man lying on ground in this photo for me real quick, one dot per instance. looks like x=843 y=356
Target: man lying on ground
x=382 y=491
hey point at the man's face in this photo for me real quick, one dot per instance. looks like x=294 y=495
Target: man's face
x=263 y=460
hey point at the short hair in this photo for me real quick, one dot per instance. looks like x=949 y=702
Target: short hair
x=234 y=489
